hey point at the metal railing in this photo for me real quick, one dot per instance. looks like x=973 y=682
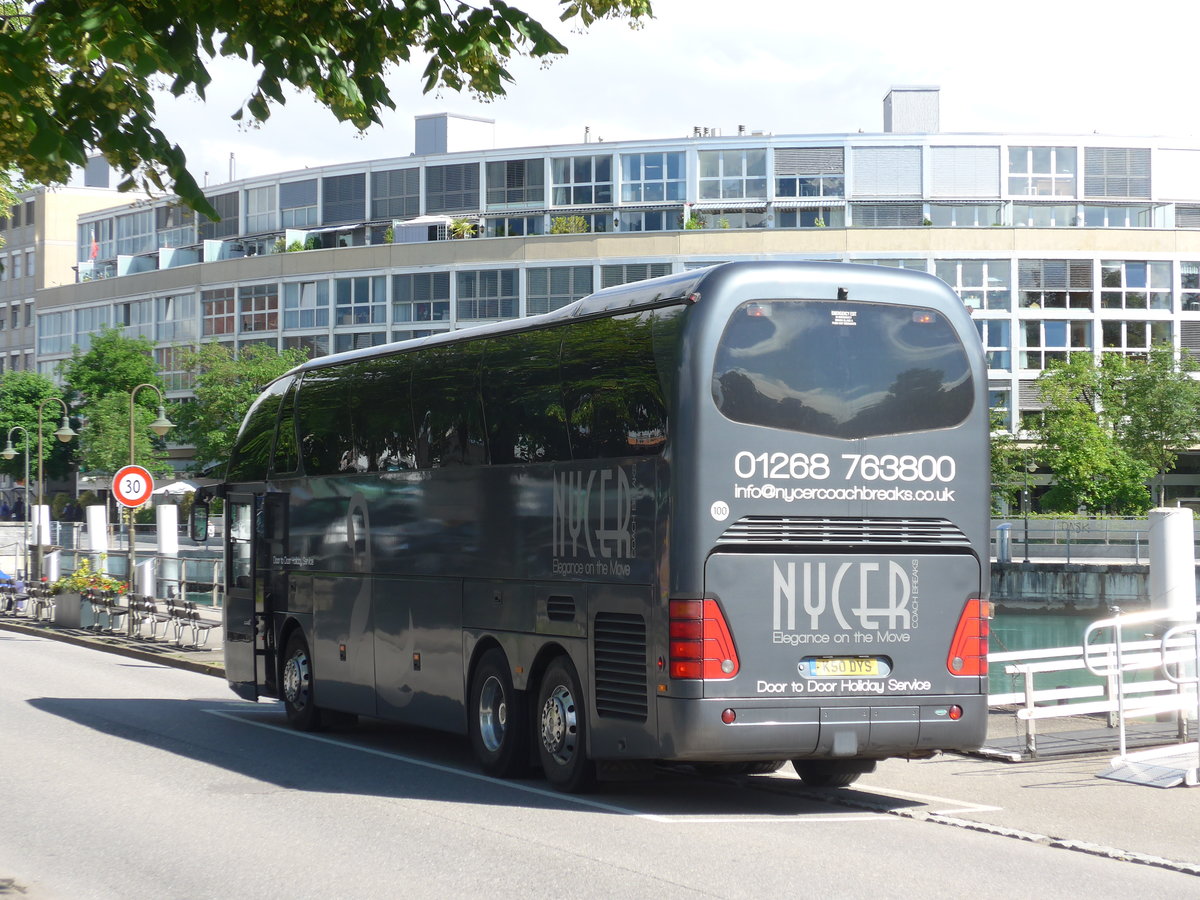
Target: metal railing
x=1078 y=538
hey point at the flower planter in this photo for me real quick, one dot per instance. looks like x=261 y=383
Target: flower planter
x=68 y=610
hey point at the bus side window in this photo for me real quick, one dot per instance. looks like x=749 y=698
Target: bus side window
x=611 y=390
x=447 y=408
x=522 y=394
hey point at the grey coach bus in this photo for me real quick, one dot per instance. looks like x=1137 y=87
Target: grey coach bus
x=732 y=517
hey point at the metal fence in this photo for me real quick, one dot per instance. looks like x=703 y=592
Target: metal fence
x=1080 y=538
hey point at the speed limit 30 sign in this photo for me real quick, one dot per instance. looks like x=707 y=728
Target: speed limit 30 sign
x=132 y=486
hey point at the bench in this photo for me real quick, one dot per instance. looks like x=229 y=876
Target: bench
x=41 y=601
x=184 y=616
x=104 y=604
x=145 y=610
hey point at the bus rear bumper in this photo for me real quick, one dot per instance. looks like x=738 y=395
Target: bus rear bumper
x=693 y=730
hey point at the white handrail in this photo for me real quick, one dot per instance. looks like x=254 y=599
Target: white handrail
x=1181 y=678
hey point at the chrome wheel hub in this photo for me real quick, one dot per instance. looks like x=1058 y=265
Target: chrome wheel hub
x=560 y=728
x=493 y=714
x=296 y=680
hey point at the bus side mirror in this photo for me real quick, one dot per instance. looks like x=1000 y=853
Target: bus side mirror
x=198 y=524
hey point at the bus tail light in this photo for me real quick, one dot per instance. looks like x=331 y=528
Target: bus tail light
x=701 y=643
x=969 y=648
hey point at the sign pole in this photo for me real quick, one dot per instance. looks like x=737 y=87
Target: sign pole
x=132 y=487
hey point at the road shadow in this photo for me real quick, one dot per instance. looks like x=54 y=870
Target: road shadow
x=253 y=743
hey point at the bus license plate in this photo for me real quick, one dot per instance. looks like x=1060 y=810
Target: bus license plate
x=842 y=667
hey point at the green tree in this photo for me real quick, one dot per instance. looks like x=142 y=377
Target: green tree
x=225 y=386
x=1009 y=461
x=462 y=228
x=569 y=225
x=20 y=395
x=1154 y=405
x=78 y=75
x=1077 y=440
x=104 y=443
x=114 y=363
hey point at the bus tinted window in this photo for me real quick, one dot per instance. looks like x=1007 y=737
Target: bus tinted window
x=384 y=437
x=522 y=398
x=323 y=419
x=446 y=406
x=286 y=458
x=252 y=450
x=841 y=369
x=614 y=400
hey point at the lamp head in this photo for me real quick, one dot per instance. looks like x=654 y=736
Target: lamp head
x=9 y=451
x=65 y=432
x=162 y=424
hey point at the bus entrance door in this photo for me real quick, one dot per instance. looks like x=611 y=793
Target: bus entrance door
x=257 y=532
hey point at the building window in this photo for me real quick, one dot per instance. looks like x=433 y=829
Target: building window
x=996 y=343
x=913 y=265
x=306 y=304
x=648 y=219
x=1189 y=282
x=421 y=297
x=553 y=287
x=135 y=233
x=965 y=215
x=1116 y=172
x=31 y=264
x=1045 y=215
x=452 y=188
x=226 y=206
x=410 y=334
x=1134 y=337
x=1041 y=171
x=260 y=209
x=176 y=318
x=582 y=180
x=516 y=182
x=1135 y=285
x=886 y=215
x=733 y=218
x=652 y=177
x=981 y=283
x=593 y=222
x=137 y=318
x=1050 y=340
x=172 y=366
x=358 y=340
x=315 y=344
x=624 y=274
x=810 y=172
x=811 y=217
x=298 y=203
x=343 y=198
x=361 y=300
x=98 y=235
x=1122 y=216
x=258 y=307
x=1055 y=283
x=88 y=322
x=55 y=333
x=219 y=311
x=514 y=226
x=487 y=294
x=30 y=208
x=733 y=174
x=175 y=224
x=396 y=194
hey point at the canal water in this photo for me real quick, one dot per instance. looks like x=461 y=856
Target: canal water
x=1021 y=630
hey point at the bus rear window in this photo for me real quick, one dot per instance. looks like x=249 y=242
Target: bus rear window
x=841 y=369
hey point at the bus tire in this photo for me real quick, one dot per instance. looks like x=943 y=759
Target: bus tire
x=297 y=685
x=498 y=718
x=832 y=773
x=562 y=729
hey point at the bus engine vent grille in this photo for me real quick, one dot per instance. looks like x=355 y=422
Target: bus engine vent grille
x=620 y=647
x=833 y=531
x=560 y=608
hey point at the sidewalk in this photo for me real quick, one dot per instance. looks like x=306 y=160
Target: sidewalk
x=207 y=659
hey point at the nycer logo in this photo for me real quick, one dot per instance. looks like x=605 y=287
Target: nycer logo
x=882 y=598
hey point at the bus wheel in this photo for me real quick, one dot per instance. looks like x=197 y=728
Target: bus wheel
x=302 y=712
x=562 y=721
x=831 y=773
x=499 y=734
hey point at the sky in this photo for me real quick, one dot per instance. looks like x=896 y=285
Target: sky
x=780 y=66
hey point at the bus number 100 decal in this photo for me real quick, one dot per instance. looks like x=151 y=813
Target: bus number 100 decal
x=864 y=466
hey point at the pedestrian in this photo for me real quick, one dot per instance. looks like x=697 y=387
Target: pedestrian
x=5 y=510
x=18 y=510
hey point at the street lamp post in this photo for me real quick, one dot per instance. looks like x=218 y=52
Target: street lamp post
x=1030 y=468
x=9 y=452
x=160 y=426
x=64 y=434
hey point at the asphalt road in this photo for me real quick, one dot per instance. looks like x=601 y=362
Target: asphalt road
x=128 y=779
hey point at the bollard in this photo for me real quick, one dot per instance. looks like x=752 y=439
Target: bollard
x=1004 y=542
